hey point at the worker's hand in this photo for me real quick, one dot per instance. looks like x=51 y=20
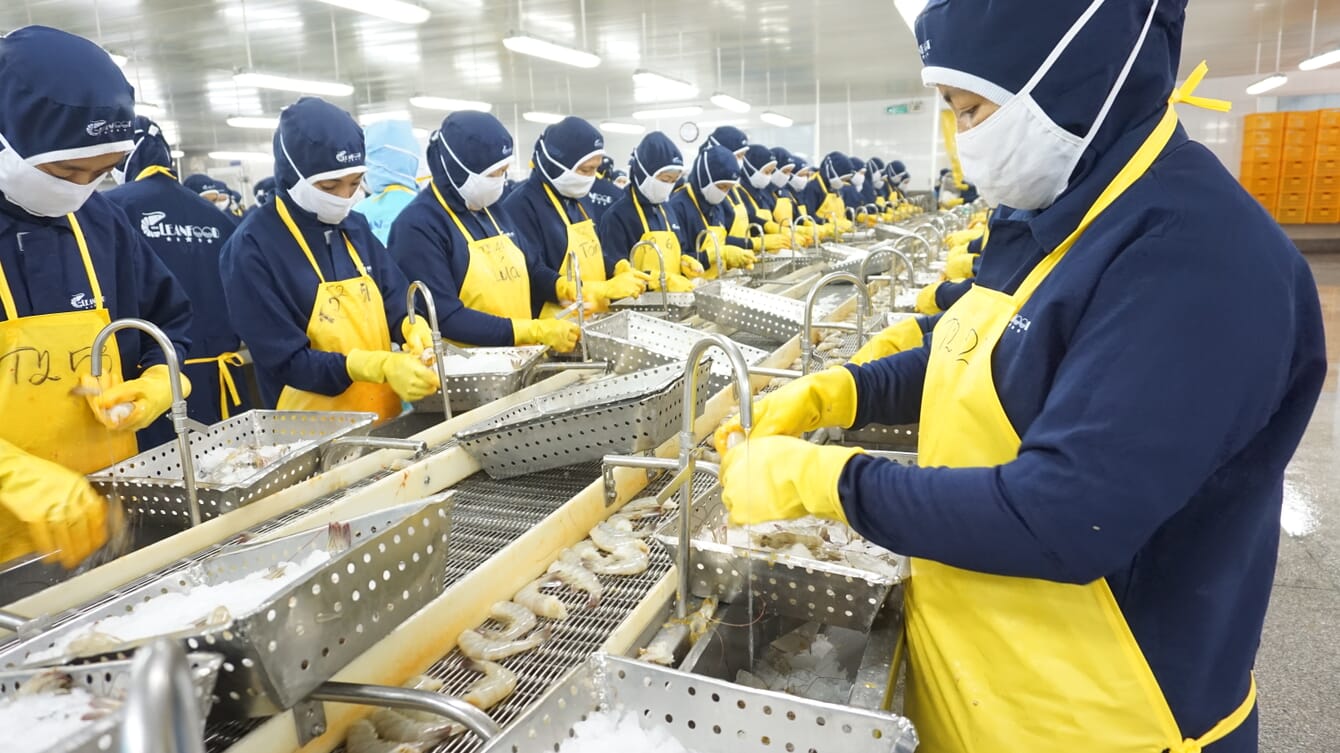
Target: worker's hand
x=867 y=219
x=771 y=228
x=690 y=267
x=774 y=242
x=132 y=405
x=896 y=338
x=626 y=285
x=738 y=258
x=403 y=372
x=679 y=284
x=960 y=267
x=963 y=237
x=47 y=508
x=559 y=334
x=880 y=201
x=781 y=478
x=418 y=337
x=827 y=398
x=926 y=299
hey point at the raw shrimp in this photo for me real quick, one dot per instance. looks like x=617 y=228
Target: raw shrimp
x=624 y=560
x=580 y=579
x=47 y=681
x=610 y=538
x=363 y=738
x=542 y=604
x=662 y=648
x=515 y=619
x=478 y=647
x=785 y=539
x=220 y=616
x=92 y=643
x=497 y=683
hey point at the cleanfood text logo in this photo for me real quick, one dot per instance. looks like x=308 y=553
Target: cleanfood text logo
x=152 y=226
x=507 y=150
x=82 y=301
x=924 y=48
x=600 y=143
x=344 y=157
x=107 y=127
x=1020 y=324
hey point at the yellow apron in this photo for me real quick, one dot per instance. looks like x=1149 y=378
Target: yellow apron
x=1003 y=664
x=497 y=281
x=582 y=240
x=785 y=210
x=346 y=315
x=41 y=360
x=227 y=387
x=709 y=248
x=666 y=240
x=832 y=208
x=739 y=225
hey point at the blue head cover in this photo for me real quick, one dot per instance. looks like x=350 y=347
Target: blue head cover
x=316 y=141
x=265 y=190
x=393 y=154
x=607 y=170
x=857 y=164
x=202 y=184
x=234 y=195
x=150 y=149
x=728 y=136
x=896 y=171
x=834 y=167
x=654 y=153
x=874 y=166
x=62 y=97
x=961 y=46
x=713 y=165
x=565 y=145
x=783 y=156
x=468 y=142
x=757 y=157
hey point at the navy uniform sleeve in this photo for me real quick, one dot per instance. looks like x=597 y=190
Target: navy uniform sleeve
x=274 y=332
x=616 y=237
x=949 y=292
x=690 y=225
x=1138 y=417
x=392 y=283
x=421 y=256
x=162 y=300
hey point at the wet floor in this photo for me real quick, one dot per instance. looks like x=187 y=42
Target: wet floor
x=1298 y=668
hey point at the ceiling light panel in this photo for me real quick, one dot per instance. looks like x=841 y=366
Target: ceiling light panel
x=449 y=104
x=548 y=118
x=534 y=46
x=391 y=10
x=292 y=84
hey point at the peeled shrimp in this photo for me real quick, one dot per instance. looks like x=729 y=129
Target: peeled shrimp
x=542 y=604
x=363 y=738
x=478 y=647
x=662 y=648
x=611 y=538
x=92 y=643
x=580 y=579
x=47 y=681
x=422 y=730
x=497 y=683
x=628 y=560
x=515 y=619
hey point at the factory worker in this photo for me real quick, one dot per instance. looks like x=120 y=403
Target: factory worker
x=187 y=234
x=312 y=291
x=823 y=194
x=393 y=161
x=551 y=211
x=605 y=190
x=488 y=289
x=760 y=199
x=703 y=204
x=642 y=215
x=1104 y=430
x=265 y=191
x=875 y=181
x=851 y=193
x=70 y=262
x=738 y=217
x=208 y=189
x=235 y=207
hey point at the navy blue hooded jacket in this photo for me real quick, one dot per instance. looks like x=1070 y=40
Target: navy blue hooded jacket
x=186 y=233
x=850 y=195
x=428 y=246
x=827 y=179
x=605 y=191
x=1157 y=412
x=874 y=173
x=713 y=164
x=621 y=227
x=758 y=200
x=270 y=285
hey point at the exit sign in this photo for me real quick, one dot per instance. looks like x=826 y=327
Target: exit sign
x=904 y=108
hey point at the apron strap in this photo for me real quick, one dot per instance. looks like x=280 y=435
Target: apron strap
x=297 y=236
x=152 y=170
x=1224 y=727
x=460 y=225
x=562 y=213
x=694 y=198
x=227 y=387
x=646 y=227
x=7 y=295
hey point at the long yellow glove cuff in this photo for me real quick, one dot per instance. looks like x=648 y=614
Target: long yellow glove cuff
x=148 y=396
x=47 y=508
x=559 y=334
x=827 y=398
x=774 y=242
x=403 y=372
x=782 y=478
x=960 y=267
x=771 y=228
x=566 y=290
x=926 y=300
x=896 y=338
x=418 y=336
x=964 y=237
x=738 y=258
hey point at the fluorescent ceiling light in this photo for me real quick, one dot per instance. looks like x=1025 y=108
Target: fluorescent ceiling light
x=265 y=124
x=664 y=87
x=528 y=45
x=1273 y=81
x=727 y=102
x=368 y=118
x=391 y=10
x=448 y=104
x=549 y=118
x=668 y=112
x=777 y=119
x=289 y=84
x=227 y=156
x=148 y=110
x=1320 y=61
x=120 y=60
x=634 y=129
x=177 y=154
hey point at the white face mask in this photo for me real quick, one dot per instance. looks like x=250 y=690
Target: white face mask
x=223 y=204
x=759 y=181
x=879 y=180
x=779 y=178
x=1021 y=158
x=574 y=185
x=907 y=182
x=798 y=182
x=37 y=193
x=327 y=207
x=713 y=194
x=657 y=191
x=858 y=181
x=479 y=191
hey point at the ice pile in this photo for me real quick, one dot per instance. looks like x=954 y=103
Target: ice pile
x=234 y=465
x=803 y=663
x=45 y=719
x=483 y=363
x=620 y=731
x=812 y=538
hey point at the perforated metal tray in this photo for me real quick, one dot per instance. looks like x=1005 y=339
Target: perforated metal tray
x=471 y=390
x=584 y=422
x=150 y=486
x=674 y=306
x=633 y=342
x=731 y=305
x=108 y=680
x=704 y=714
x=278 y=653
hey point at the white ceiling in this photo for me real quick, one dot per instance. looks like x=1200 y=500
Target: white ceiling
x=772 y=53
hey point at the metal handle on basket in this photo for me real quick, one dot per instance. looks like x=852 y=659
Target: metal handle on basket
x=416 y=446
x=665 y=290
x=405 y=698
x=178 y=410
x=529 y=377
x=807 y=343
x=161 y=714
x=418 y=287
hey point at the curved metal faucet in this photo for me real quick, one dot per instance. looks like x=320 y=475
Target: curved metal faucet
x=438 y=354
x=802 y=218
x=807 y=339
x=716 y=243
x=851 y=215
x=161 y=714
x=893 y=275
x=575 y=275
x=178 y=410
x=665 y=290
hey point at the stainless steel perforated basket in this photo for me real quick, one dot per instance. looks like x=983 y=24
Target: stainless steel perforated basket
x=150 y=485
x=112 y=680
x=704 y=714
x=632 y=342
x=674 y=306
x=276 y=654
x=584 y=422
x=500 y=372
x=740 y=308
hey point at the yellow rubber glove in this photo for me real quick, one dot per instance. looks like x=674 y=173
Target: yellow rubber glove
x=47 y=508
x=679 y=284
x=926 y=300
x=774 y=242
x=690 y=267
x=896 y=338
x=964 y=237
x=559 y=334
x=771 y=228
x=880 y=201
x=403 y=372
x=418 y=337
x=960 y=267
x=827 y=398
x=782 y=478
x=149 y=397
x=627 y=285
x=738 y=258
